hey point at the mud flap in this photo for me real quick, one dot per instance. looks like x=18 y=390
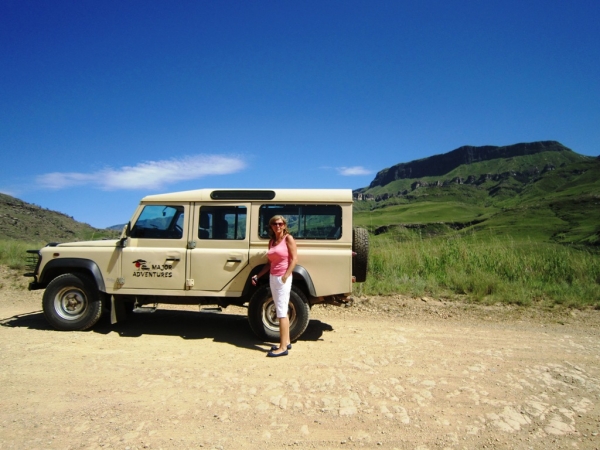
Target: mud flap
x=117 y=311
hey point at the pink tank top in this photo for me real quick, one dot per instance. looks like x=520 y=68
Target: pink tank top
x=279 y=258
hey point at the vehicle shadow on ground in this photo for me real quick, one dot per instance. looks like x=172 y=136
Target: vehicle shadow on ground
x=33 y=320
x=232 y=329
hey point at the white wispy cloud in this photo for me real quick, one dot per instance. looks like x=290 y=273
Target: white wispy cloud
x=351 y=171
x=146 y=175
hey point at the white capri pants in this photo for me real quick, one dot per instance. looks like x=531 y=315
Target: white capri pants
x=281 y=294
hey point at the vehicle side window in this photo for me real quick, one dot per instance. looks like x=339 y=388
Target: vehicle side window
x=222 y=222
x=159 y=222
x=304 y=221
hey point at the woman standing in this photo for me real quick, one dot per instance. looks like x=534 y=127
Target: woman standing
x=282 y=257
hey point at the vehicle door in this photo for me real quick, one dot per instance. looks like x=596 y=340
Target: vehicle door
x=221 y=235
x=155 y=254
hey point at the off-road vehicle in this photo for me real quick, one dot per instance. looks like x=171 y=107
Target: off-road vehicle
x=203 y=247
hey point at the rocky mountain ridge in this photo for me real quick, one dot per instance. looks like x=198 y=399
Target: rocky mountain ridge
x=522 y=177
x=442 y=164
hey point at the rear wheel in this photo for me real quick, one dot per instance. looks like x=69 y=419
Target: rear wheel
x=263 y=317
x=71 y=302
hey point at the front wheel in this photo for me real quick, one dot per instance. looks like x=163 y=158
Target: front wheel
x=72 y=302
x=263 y=317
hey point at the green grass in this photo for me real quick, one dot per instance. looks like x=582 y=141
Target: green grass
x=485 y=269
x=421 y=212
x=13 y=253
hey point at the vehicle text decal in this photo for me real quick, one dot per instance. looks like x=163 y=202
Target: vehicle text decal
x=155 y=271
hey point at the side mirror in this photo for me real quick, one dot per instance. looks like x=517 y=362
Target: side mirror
x=124 y=235
x=126 y=230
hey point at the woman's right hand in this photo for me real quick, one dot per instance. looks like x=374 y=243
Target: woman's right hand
x=254 y=280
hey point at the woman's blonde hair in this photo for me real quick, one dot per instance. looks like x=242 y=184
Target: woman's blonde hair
x=274 y=219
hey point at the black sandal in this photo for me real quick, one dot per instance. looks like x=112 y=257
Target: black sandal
x=275 y=347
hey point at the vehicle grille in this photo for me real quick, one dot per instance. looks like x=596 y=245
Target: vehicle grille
x=32 y=262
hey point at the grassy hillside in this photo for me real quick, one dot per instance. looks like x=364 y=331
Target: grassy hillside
x=512 y=234
x=23 y=221
x=561 y=205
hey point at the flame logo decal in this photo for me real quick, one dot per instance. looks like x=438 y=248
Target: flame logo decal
x=140 y=264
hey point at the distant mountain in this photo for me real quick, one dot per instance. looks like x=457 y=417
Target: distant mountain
x=116 y=227
x=27 y=222
x=540 y=191
x=438 y=165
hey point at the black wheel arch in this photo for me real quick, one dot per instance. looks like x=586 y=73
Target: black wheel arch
x=60 y=266
x=302 y=277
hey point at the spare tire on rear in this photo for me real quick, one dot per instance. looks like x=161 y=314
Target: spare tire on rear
x=360 y=246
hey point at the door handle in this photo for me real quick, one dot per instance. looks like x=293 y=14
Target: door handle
x=232 y=259
x=172 y=258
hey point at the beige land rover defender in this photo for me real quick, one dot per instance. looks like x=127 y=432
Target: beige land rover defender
x=203 y=247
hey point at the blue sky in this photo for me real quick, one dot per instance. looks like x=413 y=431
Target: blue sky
x=104 y=102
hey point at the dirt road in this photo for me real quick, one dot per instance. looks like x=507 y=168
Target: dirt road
x=385 y=373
